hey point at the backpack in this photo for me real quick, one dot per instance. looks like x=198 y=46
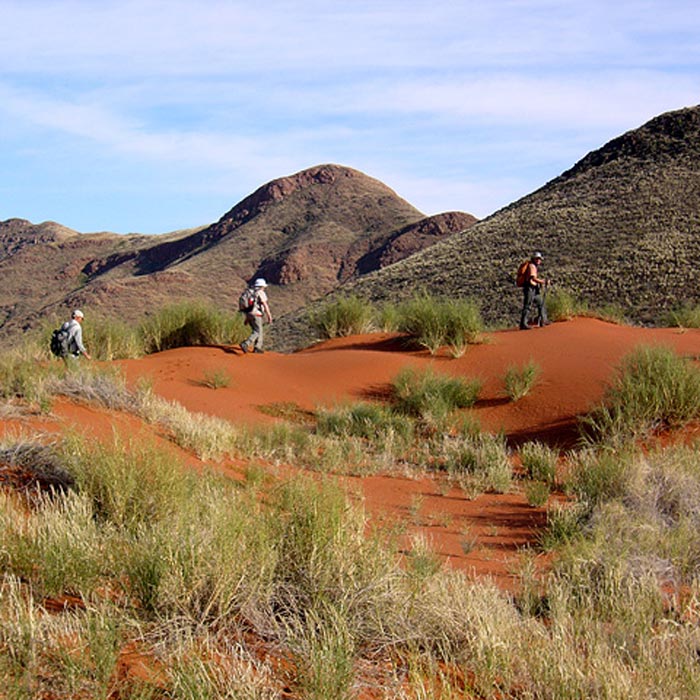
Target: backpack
x=246 y=301
x=59 y=342
x=521 y=276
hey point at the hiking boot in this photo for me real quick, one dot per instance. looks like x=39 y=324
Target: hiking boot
x=525 y=328
x=258 y=351
x=542 y=324
x=244 y=348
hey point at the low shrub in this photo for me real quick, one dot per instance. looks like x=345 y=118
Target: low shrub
x=113 y=339
x=537 y=493
x=478 y=463
x=597 y=476
x=22 y=376
x=342 y=317
x=613 y=313
x=388 y=317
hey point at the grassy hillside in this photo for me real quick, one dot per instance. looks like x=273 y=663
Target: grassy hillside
x=621 y=227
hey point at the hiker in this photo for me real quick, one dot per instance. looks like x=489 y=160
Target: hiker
x=533 y=288
x=254 y=318
x=76 y=348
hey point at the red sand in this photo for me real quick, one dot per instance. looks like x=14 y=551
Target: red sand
x=576 y=358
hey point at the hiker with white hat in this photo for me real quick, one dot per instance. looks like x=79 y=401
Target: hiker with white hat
x=76 y=348
x=533 y=286
x=259 y=310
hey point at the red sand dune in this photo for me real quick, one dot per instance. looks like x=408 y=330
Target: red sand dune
x=577 y=359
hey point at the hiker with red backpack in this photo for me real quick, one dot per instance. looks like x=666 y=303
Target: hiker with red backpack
x=254 y=304
x=534 y=289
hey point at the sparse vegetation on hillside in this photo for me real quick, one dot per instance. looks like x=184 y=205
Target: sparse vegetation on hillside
x=620 y=228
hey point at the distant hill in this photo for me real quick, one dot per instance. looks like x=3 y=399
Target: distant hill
x=306 y=234
x=621 y=227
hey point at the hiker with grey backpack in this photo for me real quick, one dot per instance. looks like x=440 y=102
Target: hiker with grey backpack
x=534 y=292
x=254 y=303
x=67 y=341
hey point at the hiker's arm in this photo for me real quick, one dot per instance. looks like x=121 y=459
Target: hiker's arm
x=266 y=309
x=535 y=278
x=79 y=343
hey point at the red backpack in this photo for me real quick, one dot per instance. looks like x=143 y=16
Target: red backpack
x=522 y=277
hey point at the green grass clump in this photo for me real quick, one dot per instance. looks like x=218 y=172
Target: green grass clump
x=431 y=396
x=478 y=462
x=370 y=421
x=685 y=316
x=597 y=476
x=539 y=462
x=562 y=305
x=519 y=381
x=342 y=317
x=190 y=323
x=112 y=339
x=216 y=378
x=23 y=376
x=654 y=388
x=537 y=493
x=433 y=323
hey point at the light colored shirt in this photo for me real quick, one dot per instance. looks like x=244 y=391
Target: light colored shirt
x=260 y=301
x=75 y=336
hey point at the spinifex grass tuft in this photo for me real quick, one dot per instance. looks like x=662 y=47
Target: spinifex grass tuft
x=427 y=394
x=190 y=323
x=519 y=381
x=654 y=388
x=433 y=323
x=343 y=317
x=539 y=461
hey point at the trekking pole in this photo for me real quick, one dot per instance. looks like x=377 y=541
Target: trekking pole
x=544 y=298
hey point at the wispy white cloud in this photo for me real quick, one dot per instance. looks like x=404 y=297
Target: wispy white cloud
x=143 y=37
x=466 y=104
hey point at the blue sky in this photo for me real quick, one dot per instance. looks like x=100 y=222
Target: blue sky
x=151 y=115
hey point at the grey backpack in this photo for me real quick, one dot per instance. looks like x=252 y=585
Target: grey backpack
x=60 y=342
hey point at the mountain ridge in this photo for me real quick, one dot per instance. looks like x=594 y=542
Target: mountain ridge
x=304 y=232
x=620 y=228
